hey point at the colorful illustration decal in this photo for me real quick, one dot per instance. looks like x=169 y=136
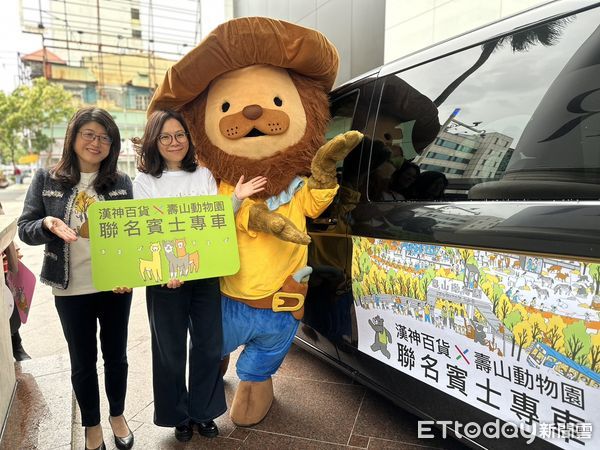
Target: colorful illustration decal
x=146 y=242
x=515 y=336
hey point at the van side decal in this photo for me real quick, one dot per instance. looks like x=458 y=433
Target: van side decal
x=516 y=336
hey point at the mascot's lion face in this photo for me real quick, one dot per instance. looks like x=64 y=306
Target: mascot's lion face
x=259 y=120
x=254 y=112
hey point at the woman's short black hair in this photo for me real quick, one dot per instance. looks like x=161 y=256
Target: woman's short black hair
x=150 y=160
x=67 y=171
x=395 y=178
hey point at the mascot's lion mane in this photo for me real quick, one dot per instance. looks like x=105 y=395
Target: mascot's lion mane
x=277 y=167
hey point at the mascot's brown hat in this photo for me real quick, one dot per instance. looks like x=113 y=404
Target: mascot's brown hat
x=244 y=42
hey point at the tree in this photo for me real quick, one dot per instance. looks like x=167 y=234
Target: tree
x=358 y=291
x=545 y=34
x=584 y=266
x=504 y=308
x=522 y=333
x=594 y=361
x=425 y=281
x=364 y=263
x=577 y=341
x=538 y=326
x=494 y=292
x=594 y=271
x=511 y=320
x=554 y=333
x=522 y=311
x=465 y=255
x=28 y=112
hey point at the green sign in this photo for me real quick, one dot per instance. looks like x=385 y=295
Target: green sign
x=150 y=241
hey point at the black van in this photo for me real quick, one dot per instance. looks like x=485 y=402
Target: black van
x=458 y=270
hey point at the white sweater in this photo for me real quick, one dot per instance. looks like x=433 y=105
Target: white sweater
x=177 y=183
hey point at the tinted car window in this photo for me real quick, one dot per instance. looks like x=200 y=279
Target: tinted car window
x=520 y=117
x=349 y=112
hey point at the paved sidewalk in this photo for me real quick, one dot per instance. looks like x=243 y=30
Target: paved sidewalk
x=316 y=406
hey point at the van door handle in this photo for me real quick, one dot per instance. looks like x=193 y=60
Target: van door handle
x=325 y=221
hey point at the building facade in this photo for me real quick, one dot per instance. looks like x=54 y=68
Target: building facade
x=106 y=53
x=113 y=54
x=457 y=155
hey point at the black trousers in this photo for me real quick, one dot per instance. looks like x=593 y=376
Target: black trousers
x=193 y=307
x=79 y=315
x=15 y=321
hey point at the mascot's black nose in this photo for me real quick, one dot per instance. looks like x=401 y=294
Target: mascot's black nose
x=252 y=112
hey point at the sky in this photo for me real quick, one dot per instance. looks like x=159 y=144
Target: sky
x=13 y=40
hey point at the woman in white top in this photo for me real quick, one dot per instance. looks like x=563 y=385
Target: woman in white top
x=168 y=168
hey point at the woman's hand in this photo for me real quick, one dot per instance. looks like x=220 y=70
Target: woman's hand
x=122 y=290
x=174 y=283
x=245 y=190
x=59 y=228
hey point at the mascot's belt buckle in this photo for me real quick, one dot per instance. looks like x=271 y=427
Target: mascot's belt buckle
x=279 y=299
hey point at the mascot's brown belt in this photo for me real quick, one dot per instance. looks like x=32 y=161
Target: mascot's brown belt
x=290 y=298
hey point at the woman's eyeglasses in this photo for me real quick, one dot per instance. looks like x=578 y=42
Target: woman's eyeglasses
x=166 y=139
x=90 y=136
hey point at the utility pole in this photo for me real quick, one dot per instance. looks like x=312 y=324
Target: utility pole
x=100 y=61
x=151 y=46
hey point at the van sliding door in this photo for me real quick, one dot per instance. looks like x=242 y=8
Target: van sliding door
x=328 y=321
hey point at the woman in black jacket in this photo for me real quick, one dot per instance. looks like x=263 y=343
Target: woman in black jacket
x=55 y=214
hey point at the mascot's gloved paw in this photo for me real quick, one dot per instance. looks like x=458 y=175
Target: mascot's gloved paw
x=323 y=165
x=251 y=402
x=261 y=219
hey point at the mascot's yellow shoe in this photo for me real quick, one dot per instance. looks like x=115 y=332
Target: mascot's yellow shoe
x=252 y=402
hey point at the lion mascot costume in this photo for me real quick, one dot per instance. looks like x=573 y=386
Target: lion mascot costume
x=254 y=95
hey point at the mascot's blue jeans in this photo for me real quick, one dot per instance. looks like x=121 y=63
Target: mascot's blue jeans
x=265 y=334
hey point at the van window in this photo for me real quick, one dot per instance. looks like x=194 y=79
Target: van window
x=342 y=114
x=519 y=118
x=350 y=112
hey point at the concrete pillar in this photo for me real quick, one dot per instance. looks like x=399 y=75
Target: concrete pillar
x=8 y=229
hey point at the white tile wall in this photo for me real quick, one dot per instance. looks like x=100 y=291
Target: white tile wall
x=411 y=25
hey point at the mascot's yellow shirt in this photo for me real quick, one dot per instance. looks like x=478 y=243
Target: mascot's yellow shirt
x=265 y=260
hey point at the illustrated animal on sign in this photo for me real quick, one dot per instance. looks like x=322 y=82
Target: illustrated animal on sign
x=562 y=276
x=382 y=337
x=152 y=269
x=542 y=293
x=177 y=266
x=192 y=259
x=480 y=334
x=562 y=289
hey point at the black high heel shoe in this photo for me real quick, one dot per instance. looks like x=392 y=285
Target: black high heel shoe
x=102 y=446
x=123 y=443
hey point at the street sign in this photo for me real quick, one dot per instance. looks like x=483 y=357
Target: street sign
x=31 y=158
